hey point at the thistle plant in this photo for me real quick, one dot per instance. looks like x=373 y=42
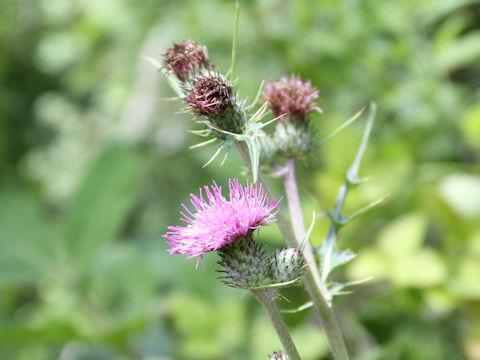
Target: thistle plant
x=228 y=225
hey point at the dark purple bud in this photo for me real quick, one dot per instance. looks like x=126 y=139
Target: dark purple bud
x=210 y=95
x=185 y=58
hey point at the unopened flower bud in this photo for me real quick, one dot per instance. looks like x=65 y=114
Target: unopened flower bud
x=291 y=97
x=278 y=355
x=294 y=140
x=289 y=140
x=287 y=265
x=244 y=264
x=292 y=100
x=185 y=58
x=212 y=96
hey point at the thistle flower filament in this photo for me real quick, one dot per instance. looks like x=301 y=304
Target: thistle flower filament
x=218 y=221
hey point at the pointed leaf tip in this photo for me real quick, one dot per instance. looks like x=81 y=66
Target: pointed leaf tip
x=254 y=150
x=309 y=232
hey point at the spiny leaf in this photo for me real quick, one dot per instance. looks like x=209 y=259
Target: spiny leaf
x=203 y=143
x=307 y=235
x=331 y=258
x=303 y=307
x=225 y=144
x=365 y=208
x=254 y=150
x=337 y=288
x=257 y=97
x=352 y=173
x=276 y=285
x=343 y=126
x=152 y=61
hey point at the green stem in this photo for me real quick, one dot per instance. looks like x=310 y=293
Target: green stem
x=321 y=298
x=313 y=284
x=234 y=45
x=267 y=299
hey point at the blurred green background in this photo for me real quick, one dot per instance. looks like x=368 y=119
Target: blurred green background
x=94 y=166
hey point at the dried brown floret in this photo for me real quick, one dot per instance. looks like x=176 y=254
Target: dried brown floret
x=183 y=59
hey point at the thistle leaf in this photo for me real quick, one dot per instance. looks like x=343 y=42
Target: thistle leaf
x=203 y=143
x=303 y=307
x=364 y=209
x=152 y=61
x=254 y=150
x=309 y=232
x=352 y=173
x=343 y=126
x=257 y=97
x=331 y=259
x=337 y=288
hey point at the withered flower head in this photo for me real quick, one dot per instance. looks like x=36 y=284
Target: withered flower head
x=210 y=95
x=182 y=59
x=292 y=97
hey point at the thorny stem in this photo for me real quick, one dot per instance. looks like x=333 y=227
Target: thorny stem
x=267 y=299
x=294 y=206
x=314 y=285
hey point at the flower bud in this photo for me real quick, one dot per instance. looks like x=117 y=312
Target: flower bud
x=291 y=97
x=294 y=140
x=244 y=264
x=293 y=100
x=185 y=58
x=278 y=355
x=212 y=96
x=287 y=265
x=290 y=140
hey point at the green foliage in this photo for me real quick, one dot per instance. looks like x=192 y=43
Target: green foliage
x=399 y=256
x=100 y=204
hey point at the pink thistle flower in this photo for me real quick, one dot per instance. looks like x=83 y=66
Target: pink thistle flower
x=183 y=59
x=217 y=221
x=292 y=97
x=210 y=95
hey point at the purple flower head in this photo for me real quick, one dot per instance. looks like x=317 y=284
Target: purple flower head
x=217 y=221
x=210 y=95
x=292 y=97
x=183 y=59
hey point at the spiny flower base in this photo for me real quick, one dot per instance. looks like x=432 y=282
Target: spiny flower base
x=287 y=265
x=244 y=264
x=290 y=140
